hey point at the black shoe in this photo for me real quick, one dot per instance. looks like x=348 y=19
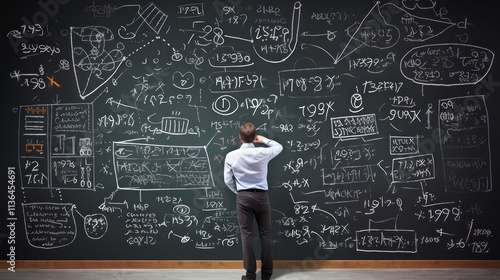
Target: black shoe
x=244 y=277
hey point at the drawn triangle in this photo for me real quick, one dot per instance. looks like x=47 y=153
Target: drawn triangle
x=94 y=59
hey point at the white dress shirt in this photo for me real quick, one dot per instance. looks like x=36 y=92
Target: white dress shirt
x=246 y=167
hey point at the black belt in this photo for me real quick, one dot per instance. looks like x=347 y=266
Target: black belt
x=252 y=190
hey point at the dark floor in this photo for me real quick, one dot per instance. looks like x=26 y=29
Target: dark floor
x=226 y=274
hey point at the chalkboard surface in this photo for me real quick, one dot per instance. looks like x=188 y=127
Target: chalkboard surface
x=120 y=113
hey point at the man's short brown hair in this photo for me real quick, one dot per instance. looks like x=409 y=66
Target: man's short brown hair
x=248 y=132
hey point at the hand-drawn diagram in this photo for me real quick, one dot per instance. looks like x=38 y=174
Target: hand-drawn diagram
x=465 y=145
x=157 y=167
x=58 y=150
x=94 y=62
x=148 y=14
x=49 y=225
x=125 y=112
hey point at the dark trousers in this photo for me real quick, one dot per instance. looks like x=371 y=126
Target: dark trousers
x=255 y=205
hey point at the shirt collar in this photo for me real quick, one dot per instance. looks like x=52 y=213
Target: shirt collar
x=247 y=145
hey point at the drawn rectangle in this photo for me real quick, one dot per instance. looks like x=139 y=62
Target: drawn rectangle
x=354 y=126
x=386 y=240
x=140 y=166
x=403 y=145
x=413 y=169
x=57 y=146
x=465 y=144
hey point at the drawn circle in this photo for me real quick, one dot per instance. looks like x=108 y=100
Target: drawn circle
x=64 y=32
x=225 y=105
x=96 y=225
x=182 y=209
x=356 y=101
x=176 y=56
x=185 y=239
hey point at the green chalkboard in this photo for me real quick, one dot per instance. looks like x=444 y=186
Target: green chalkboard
x=119 y=115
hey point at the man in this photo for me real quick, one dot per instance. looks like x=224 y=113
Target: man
x=245 y=173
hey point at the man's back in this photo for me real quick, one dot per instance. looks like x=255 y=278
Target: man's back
x=248 y=165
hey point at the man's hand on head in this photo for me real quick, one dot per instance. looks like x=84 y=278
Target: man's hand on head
x=259 y=139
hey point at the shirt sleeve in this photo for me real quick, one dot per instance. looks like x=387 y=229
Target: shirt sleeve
x=274 y=146
x=229 y=177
